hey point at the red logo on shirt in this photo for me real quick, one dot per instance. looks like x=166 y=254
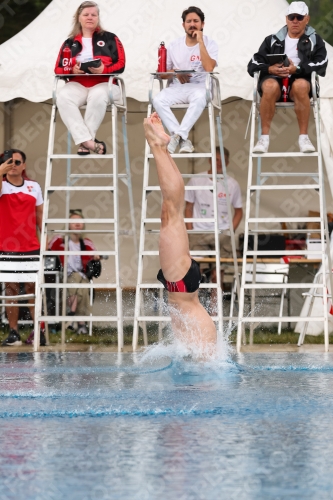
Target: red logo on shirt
x=195 y=58
x=29 y=188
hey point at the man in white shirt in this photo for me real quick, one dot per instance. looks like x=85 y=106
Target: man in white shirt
x=306 y=53
x=200 y=205
x=195 y=52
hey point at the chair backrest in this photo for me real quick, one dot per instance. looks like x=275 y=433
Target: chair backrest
x=267 y=273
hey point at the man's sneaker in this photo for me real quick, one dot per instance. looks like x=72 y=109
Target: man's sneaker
x=305 y=145
x=42 y=338
x=186 y=146
x=13 y=338
x=174 y=143
x=83 y=330
x=262 y=145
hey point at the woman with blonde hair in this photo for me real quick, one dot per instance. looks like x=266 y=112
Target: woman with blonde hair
x=87 y=42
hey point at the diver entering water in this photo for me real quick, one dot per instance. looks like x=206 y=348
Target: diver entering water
x=179 y=273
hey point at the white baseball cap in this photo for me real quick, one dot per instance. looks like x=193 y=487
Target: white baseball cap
x=298 y=8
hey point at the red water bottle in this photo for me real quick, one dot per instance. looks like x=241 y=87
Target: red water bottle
x=285 y=89
x=162 y=57
x=67 y=59
x=285 y=83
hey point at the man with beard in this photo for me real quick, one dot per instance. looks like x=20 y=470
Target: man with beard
x=196 y=52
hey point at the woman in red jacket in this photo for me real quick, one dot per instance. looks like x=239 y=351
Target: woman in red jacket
x=78 y=298
x=88 y=41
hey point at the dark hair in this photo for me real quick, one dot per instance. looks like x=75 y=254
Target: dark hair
x=196 y=10
x=24 y=156
x=226 y=152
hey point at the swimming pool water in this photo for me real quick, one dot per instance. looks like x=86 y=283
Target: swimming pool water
x=111 y=426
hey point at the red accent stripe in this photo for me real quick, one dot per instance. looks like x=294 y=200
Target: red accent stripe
x=176 y=286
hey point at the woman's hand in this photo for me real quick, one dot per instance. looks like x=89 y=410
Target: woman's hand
x=77 y=70
x=97 y=71
x=96 y=257
x=6 y=166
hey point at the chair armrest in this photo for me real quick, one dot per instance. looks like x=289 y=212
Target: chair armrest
x=154 y=77
x=121 y=84
x=256 y=96
x=314 y=85
x=213 y=92
x=55 y=87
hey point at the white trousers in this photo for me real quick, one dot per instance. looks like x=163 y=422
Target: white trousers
x=187 y=93
x=72 y=96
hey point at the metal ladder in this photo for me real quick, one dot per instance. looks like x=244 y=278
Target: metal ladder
x=254 y=224
x=214 y=107
x=106 y=226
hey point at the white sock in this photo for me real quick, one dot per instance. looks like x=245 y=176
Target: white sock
x=303 y=135
x=264 y=137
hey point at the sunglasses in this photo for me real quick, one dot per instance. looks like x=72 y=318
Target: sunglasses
x=291 y=17
x=18 y=162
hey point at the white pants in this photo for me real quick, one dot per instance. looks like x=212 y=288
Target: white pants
x=72 y=96
x=186 y=93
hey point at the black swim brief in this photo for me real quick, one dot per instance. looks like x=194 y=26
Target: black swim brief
x=189 y=284
x=20 y=256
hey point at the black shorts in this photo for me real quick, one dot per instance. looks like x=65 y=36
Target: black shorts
x=189 y=284
x=291 y=81
x=23 y=256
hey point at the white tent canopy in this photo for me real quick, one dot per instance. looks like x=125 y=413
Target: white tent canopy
x=27 y=60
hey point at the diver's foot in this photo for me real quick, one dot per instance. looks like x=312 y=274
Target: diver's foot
x=154 y=132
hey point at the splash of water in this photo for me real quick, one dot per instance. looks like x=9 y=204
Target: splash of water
x=184 y=345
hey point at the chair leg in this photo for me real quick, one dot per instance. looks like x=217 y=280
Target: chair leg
x=281 y=310
x=46 y=323
x=144 y=323
x=37 y=314
x=233 y=297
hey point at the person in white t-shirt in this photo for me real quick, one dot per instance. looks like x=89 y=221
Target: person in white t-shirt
x=200 y=205
x=196 y=52
x=306 y=53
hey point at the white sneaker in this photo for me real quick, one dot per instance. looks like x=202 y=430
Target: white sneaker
x=174 y=143
x=83 y=330
x=305 y=145
x=186 y=146
x=262 y=145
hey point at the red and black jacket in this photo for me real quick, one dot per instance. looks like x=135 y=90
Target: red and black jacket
x=58 y=244
x=106 y=46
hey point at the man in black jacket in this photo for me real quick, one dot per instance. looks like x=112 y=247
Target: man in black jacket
x=306 y=52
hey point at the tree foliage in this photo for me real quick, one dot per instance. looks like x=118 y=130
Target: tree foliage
x=17 y=14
